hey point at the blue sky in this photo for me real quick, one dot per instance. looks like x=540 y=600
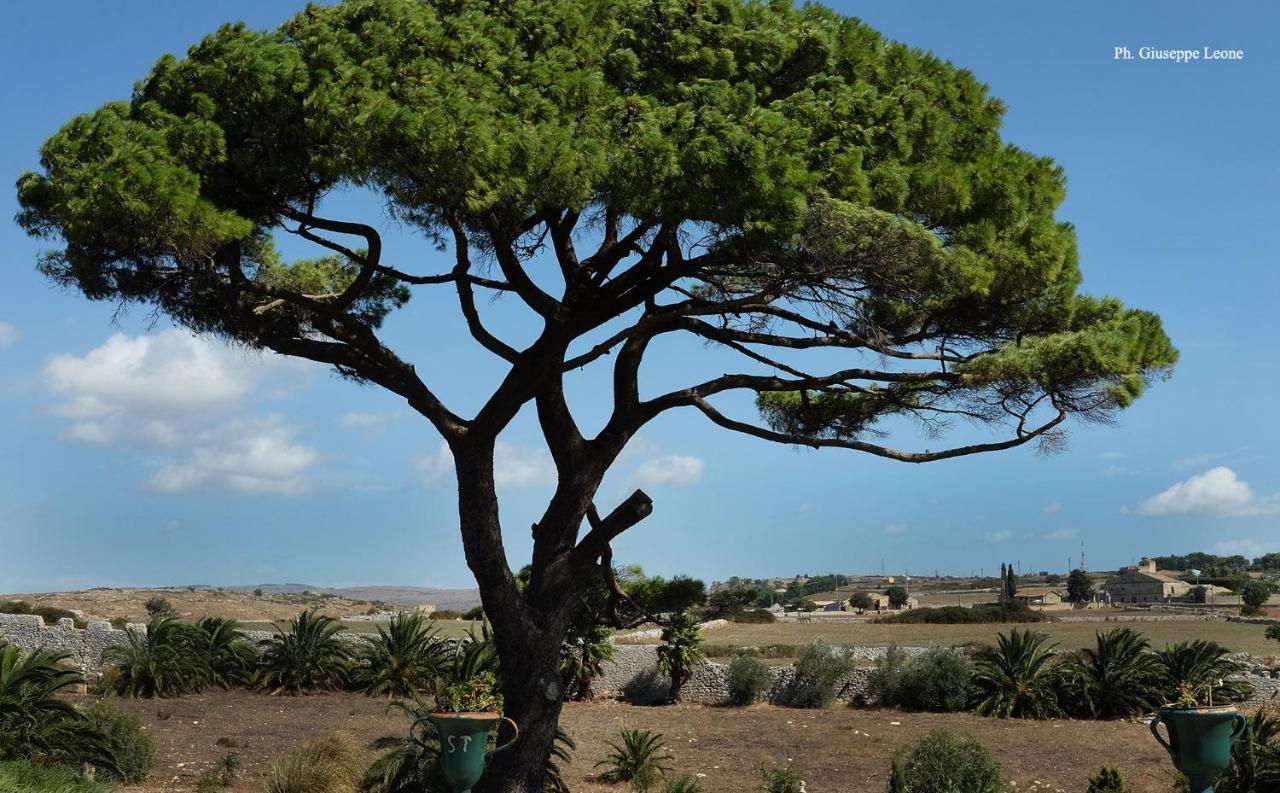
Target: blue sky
x=134 y=454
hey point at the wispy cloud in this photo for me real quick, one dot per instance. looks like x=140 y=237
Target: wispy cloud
x=1062 y=534
x=514 y=466
x=1052 y=508
x=896 y=529
x=1249 y=548
x=670 y=470
x=998 y=536
x=1218 y=491
x=8 y=334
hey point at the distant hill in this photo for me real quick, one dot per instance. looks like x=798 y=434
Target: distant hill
x=453 y=599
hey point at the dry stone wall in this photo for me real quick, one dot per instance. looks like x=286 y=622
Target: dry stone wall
x=84 y=645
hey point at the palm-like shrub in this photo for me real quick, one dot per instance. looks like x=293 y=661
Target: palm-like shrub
x=38 y=725
x=403 y=658
x=1108 y=780
x=639 y=758
x=1200 y=671
x=1255 y=757
x=1116 y=678
x=309 y=656
x=680 y=651
x=1017 y=677
x=582 y=658
x=170 y=660
x=231 y=657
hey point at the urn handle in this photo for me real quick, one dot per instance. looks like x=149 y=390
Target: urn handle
x=507 y=745
x=1240 y=724
x=1154 y=724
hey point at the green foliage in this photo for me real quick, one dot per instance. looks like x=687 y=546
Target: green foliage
x=684 y=784
x=747 y=679
x=1254 y=596
x=477 y=694
x=308 y=656
x=1017 y=677
x=753 y=617
x=331 y=763
x=780 y=780
x=1273 y=632
x=402 y=659
x=680 y=651
x=227 y=769
x=1116 y=678
x=897 y=596
x=582 y=657
x=38 y=724
x=860 y=600
x=938 y=679
x=980 y=613
x=25 y=777
x=943 y=762
x=1108 y=780
x=729 y=603
x=814 y=676
x=1079 y=586
x=640 y=758
x=1255 y=757
x=209 y=782
x=126 y=741
x=159 y=607
x=1198 y=672
x=50 y=614
x=474 y=613
x=231 y=657
x=168 y=661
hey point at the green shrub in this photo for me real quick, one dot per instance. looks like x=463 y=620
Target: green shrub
x=640 y=758
x=1108 y=780
x=748 y=679
x=474 y=613
x=208 y=782
x=679 y=651
x=331 y=763
x=126 y=739
x=170 y=660
x=815 y=675
x=939 y=679
x=943 y=762
x=308 y=656
x=402 y=660
x=24 y=777
x=685 y=784
x=1017 y=677
x=1196 y=668
x=232 y=658
x=1255 y=757
x=36 y=722
x=1116 y=678
x=781 y=780
x=981 y=613
x=159 y=607
x=753 y=616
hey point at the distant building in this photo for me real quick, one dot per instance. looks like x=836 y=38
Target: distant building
x=1144 y=584
x=1040 y=596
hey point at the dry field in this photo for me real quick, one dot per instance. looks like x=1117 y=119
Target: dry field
x=1070 y=635
x=110 y=604
x=835 y=750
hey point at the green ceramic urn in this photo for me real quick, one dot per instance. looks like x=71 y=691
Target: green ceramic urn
x=1200 y=741
x=464 y=739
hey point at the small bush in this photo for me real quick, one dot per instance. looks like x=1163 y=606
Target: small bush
x=208 y=782
x=939 y=680
x=330 y=764
x=781 y=780
x=943 y=762
x=685 y=784
x=126 y=740
x=639 y=758
x=474 y=613
x=754 y=616
x=24 y=777
x=747 y=679
x=1108 y=780
x=815 y=675
x=159 y=607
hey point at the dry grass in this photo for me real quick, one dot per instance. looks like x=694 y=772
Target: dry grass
x=1070 y=635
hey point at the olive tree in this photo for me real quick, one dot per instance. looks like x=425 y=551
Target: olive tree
x=777 y=184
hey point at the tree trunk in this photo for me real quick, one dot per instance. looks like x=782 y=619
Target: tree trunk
x=533 y=696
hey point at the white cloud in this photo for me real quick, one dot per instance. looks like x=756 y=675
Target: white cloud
x=514 y=466
x=1052 y=508
x=1113 y=455
x=896 y=529
x=1062 y=534
x=1249 y=548
x=998 y=536
x=181 y=398
x=8 y=334
x=248 y=457
x=1195 y=460
x=1218 y=491
x=670 y=470
x=369 y=422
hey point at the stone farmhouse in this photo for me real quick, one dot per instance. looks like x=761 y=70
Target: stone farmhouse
x=1041 y=597
x=1144 y=584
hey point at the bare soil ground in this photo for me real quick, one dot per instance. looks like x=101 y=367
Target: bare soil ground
x=834 y=751
x=109 y=604
x=1070 y=635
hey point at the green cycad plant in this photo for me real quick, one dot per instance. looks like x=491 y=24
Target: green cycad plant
x=308 y=656
x=583 y=656
x=1255 y=757
x=639 y=758
x=39 y=725
x=1200 y=673
x=168 y=661
x=1017 y=677
x=231 y=657
x=1118 y=677
x=402 y=659
x=680 y=651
